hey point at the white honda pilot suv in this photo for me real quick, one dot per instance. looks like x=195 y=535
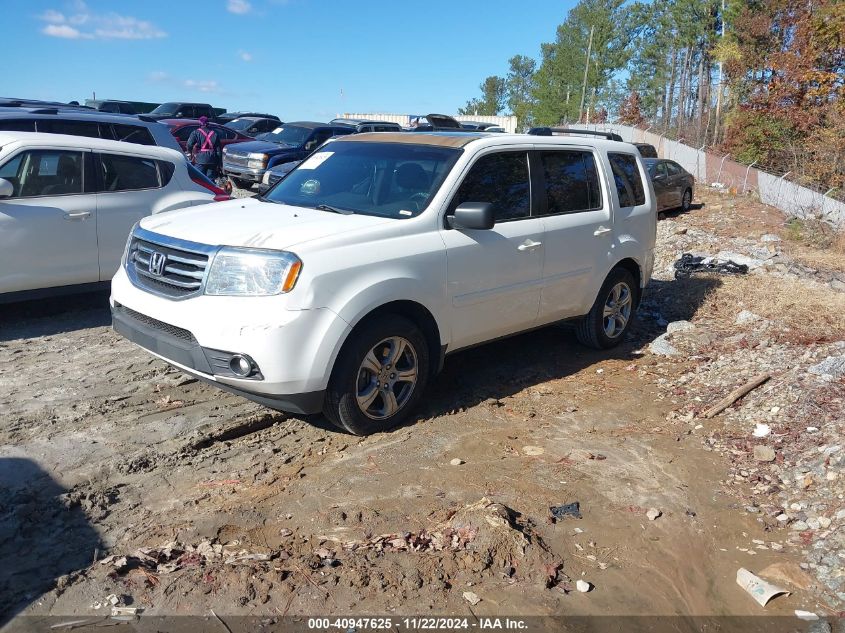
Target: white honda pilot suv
x=344 y=287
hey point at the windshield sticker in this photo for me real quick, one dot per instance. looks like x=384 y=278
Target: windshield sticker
x=234 y=121
x=315 y=160
x=278 y=130
x=404 y=212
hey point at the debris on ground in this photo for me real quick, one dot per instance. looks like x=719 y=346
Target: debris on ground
x=583 y=586
x=690 y=264
x=472 y=598
x=758 y=588
x=566 y=510
x=653 y=514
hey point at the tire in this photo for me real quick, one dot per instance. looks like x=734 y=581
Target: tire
x=356 y=381
x=593 y=330
x=686 y=200
x=242 y=184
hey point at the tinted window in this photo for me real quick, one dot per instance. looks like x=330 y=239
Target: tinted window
x=17 y=125
x=502 y=180
x=626 y=175
x=673 y=168
x=74 y=128
x=184 y=132
x=165 y=171
x=320 y=136
x=658 y=169
x=44 y=173
x=127 y=173
x=133 y=134
x=225 y=134
x=109 y=107
x=287 y=134
x=572 y=183
x=166 y=109
x=394 y=180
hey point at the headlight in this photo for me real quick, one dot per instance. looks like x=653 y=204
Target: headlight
x=252 y=272
x=257 y=161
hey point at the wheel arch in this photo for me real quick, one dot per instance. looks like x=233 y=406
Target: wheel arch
x=633 y=267
x=415 y=312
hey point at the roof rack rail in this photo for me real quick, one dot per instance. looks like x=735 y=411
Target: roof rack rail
x=549 y=131
x=44 y=111
x=145 y=118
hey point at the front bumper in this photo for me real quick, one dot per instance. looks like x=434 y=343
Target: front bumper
x=293 y=350
x=187 y=354
x=243 y=173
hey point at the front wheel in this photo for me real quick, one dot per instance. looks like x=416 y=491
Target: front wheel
x=612 y=313
x=379 y=376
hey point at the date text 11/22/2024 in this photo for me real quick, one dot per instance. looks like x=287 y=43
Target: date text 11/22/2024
x=416 y=624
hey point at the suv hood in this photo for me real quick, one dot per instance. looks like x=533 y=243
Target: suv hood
x=255 y=224
x=262 y=147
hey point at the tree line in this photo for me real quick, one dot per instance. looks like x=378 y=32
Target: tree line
x=763 y=80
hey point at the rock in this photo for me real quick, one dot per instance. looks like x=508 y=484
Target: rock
x=813 y=524
x=653 y=513
x=799 y=526
x=457 y=461
x=764 y=453
x=832 y=366
x=472 y=598
x=679 y=326
x=741 y=259
x=533 y=450
x=824 y=522
x=583 y=586
x=769 y=237
x=761 y=430
x=746 y=316
x=662 y=347
x=788 y=573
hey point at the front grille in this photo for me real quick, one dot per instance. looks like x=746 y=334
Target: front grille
x=236 y=160
x=155 y=324
x=179 y=275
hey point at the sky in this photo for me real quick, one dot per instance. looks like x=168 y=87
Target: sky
x=298 y=59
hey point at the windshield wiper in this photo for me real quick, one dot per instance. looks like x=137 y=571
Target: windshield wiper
x=327 y=207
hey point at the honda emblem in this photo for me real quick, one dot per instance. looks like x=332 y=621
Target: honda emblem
x=157 y=262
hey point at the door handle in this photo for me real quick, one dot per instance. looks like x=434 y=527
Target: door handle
x=601 y=230
x=77 y=215
x=528 y=245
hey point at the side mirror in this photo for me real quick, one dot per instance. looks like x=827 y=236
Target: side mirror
x=310 y=145
x=7 y=189
x=477 y=216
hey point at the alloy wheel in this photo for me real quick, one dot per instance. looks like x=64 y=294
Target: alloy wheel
x=617 y=310
x=387 y=378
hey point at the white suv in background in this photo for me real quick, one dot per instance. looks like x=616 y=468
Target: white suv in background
x=346 y=285
x=67 y=204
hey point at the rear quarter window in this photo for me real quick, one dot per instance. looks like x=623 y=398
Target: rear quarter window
x=133 y=134
x=17 y=125
x=629 y=182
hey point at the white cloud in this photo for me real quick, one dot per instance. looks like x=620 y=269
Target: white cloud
x=201 y=85
x=51 y=16
x=246 y=57
x=196 y=85
x=238 y=6
x=64 y=31
x=106 y=26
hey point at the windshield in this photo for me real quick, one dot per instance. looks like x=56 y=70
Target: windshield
x=287 y=134
x=395 y=180
x=241 y=125
x=166 y=108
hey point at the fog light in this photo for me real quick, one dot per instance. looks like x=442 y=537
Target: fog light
x=241 y=365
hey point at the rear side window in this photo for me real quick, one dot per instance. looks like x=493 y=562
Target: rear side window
x=502 y=180
x=674 y=169
x=133 y=134
x=128 y=173
x=165 y=171
x=90 y=129
x=44 y=173
x=629 y=184
x=17 y=125
x=572 y=182
x=184 y=132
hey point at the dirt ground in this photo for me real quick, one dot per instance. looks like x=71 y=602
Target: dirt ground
x=122 y=476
